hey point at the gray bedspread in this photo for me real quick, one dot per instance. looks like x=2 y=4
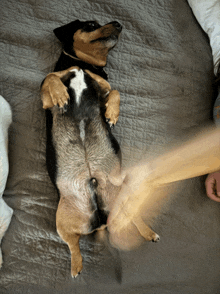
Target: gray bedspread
x=162 y=67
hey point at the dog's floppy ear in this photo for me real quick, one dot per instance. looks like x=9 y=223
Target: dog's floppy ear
x=66 y=32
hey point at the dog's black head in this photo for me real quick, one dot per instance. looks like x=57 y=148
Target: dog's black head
x=88 y=40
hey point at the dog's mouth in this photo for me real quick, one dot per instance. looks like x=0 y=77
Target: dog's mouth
x=108 y=42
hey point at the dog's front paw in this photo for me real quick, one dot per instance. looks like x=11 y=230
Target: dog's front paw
x=112 y=107
x=76 y=266
x=54 y=92
x=111 y=115
x=58 y=92
x=110 y=123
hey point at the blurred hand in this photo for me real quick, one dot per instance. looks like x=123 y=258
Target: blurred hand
x=125 y=225
x=148 y=185
x=212 y=184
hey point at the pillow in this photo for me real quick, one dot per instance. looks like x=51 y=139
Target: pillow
x=207 y=13
x=5 y=210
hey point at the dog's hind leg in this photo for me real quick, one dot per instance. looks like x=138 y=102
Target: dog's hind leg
x=72 y=241
x=66 y=221
x=145 y=231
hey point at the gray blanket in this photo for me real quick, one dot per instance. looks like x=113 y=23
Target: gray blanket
x=162 y=67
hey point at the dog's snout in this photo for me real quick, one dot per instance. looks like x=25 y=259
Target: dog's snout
x=117 y=25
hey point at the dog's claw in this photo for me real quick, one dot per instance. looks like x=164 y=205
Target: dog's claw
x=76 y=275
x=65 y=107
x=111 y=124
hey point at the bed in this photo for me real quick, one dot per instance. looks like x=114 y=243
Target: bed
x=163 y=69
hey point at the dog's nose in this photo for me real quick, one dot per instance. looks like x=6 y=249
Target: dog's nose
x=117 y=25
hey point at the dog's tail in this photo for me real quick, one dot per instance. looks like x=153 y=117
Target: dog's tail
x=103 y=236
x=98 y=222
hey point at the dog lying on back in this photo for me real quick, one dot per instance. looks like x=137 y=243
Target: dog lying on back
x=86 y=155
x=83 y=157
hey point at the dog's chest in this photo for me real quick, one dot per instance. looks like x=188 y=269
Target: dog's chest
x=78 y=85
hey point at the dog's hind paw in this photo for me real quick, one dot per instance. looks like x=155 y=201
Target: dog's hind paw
x=145 y=231
x=156 y=238
x=76 y=266
x=150 y=235
x=76 y=275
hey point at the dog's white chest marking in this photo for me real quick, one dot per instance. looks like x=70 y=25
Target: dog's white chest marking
x=78 y=84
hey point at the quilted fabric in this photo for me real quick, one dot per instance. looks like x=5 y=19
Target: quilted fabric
x=162 y=67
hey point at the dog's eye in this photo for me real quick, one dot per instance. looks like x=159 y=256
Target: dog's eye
x=94 y=24
x=91 y=26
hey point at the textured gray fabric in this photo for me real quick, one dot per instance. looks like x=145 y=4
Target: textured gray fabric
x=162 y=67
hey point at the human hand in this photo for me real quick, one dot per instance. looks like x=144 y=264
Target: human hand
x=125 y=225
x=212 y=184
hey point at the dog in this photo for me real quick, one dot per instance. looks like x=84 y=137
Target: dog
x=83 y=157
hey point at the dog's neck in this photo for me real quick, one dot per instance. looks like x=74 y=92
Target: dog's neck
x=66 y=60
